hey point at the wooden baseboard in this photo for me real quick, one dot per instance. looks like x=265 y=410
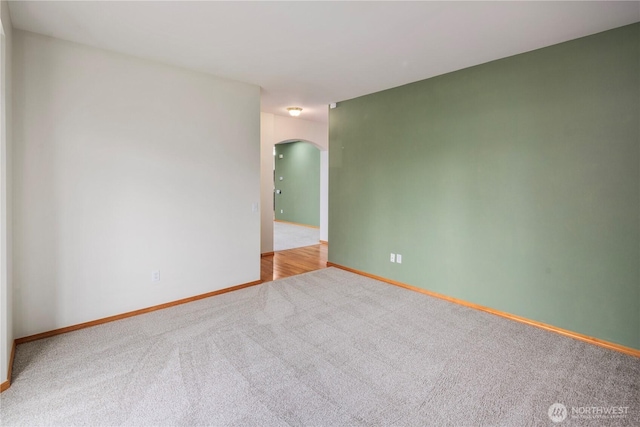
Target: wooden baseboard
x=296 y=223
x=266 y=254
x=551 y=328
x=5 y=385
x=324 y=242
x=13 y=355
x=132 y=313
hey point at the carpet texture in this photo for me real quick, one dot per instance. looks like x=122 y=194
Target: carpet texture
x=289 y=236
x=327 y=348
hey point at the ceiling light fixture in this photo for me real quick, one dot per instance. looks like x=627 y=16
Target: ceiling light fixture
x=294 y=111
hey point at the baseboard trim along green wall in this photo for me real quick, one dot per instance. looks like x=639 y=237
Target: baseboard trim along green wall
x=297 y=223
x=512 y=185
x=551 y=328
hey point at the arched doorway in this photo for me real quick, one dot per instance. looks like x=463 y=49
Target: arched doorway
x=274 y=130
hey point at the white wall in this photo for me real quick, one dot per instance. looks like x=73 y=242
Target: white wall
x=266 y=182
x=288 y=128
x=6 y=295
x=124 y=166
x=275 y=129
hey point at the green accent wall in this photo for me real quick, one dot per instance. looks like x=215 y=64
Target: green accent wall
x=300 y=169
x=513 y=184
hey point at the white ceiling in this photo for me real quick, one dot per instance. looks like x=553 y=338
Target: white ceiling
x=310 y=54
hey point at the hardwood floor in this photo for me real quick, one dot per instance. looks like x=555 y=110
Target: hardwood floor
x=293 y=261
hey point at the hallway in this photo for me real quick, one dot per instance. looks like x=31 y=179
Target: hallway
x=292 y=262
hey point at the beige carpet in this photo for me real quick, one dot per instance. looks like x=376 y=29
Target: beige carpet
x=290 y=236
x=328 y=348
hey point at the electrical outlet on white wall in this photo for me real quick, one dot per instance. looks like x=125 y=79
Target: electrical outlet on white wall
x=155 y=276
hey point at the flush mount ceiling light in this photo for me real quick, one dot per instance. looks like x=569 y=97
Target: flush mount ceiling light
x=294 y=111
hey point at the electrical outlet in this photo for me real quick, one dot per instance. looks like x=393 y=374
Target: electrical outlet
x=392 y=258
x=399 y=259
x=155 y=276
x=281 y=210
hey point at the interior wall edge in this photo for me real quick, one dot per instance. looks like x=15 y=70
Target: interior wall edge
x=6 y=384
